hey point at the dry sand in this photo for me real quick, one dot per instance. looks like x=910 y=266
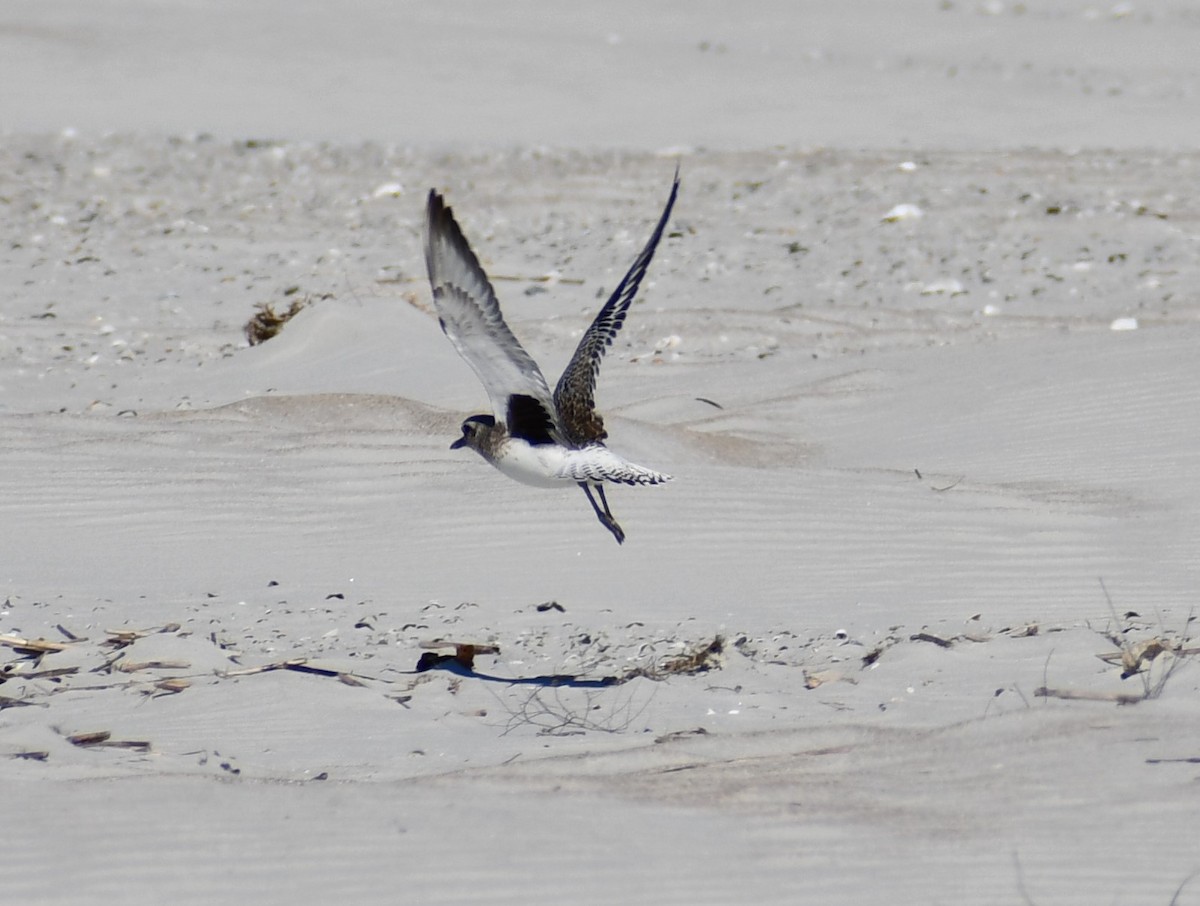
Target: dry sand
x=936 y=474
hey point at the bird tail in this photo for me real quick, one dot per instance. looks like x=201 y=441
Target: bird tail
x=596 y=464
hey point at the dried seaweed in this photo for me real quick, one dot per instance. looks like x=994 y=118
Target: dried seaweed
x=265 y=323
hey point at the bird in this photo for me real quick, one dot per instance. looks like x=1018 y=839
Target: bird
x=535 y=437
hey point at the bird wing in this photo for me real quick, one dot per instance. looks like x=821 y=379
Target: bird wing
x=470 y=316
x=574 y=397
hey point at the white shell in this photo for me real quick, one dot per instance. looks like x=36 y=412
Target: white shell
x=903 y=212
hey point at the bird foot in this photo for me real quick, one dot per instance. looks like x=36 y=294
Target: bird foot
x=611 y=524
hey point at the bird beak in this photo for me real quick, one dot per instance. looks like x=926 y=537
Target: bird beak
x=460 y=443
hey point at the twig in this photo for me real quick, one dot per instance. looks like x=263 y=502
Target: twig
x=134 y=666
x=103 y=738
x=32 y=646
x=1121 y=698
x=46 y=674
x=297 y=665
x=930 y=637
x=950 y=486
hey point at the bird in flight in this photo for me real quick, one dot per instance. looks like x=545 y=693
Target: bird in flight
x=535 y=437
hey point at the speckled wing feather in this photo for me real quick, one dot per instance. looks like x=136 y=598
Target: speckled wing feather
x=596 y=463
x=575 y=394
x=470 y=316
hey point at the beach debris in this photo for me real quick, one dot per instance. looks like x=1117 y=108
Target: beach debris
x=388 y=190
x=698 y=659
x=103 y=738
x=223 y=644
x=56 y=673
x=172 y=686
x=1022 y=632
x=903 y=212
x=946 y=286
x=872 y=657
x=1133 y=657
x=122 y=638
x=1124 y=324
x=6 y=702
x=265 y=323
x=297 y=665
x=947 y=487
x=1140 y=659
x=669 y=343
x=1120 y=698
x=680 y=734
x=930 y=637
x=814 y=679
x=463 y=656
x=546 y=606
x=89 y=739
x=32 y=647
x=134 y=666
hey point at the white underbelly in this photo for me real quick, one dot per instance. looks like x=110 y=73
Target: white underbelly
x=540 y=466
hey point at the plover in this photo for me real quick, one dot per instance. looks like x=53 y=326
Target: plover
x=532 y=436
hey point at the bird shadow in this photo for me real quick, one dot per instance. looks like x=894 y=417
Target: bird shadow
x=459 y=665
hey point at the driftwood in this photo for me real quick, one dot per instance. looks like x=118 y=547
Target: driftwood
x=32 y=646
x=930 y=637
x=1120 y=698
x=298 y=665
x=119 y=638
x=104 y=738
x=173 y=685
x=134 y=666
x=44 y=674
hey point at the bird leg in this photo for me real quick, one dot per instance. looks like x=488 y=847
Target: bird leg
x=605 y=516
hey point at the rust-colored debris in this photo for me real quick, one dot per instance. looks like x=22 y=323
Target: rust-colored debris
x=463 y=656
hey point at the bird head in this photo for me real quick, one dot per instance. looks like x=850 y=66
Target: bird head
x=472 y=428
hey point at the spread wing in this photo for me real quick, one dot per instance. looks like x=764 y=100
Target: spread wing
x=574 y=396
x=470 y=316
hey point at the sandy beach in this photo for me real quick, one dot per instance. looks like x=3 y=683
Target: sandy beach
x=915 y=621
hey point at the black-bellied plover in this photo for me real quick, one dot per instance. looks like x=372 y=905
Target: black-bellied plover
x=532 y=436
